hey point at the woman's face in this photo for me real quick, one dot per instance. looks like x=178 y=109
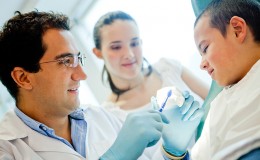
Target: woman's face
x=121 y=49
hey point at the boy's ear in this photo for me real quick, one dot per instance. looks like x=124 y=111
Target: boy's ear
x=98 y=53
x=22 y=78
x=239 y=27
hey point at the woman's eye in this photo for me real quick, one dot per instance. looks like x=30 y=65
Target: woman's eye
x=115 y=47
x=134 y=44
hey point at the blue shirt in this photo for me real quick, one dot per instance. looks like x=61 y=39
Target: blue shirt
x=78 y=129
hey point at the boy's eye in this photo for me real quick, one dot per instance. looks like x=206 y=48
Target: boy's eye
x=205 y=49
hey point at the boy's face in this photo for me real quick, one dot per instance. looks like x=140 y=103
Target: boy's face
x=219 y=54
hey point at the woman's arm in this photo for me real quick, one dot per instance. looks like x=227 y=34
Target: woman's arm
x=195 y=83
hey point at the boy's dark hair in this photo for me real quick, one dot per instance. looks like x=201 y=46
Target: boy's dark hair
x=21 y=43
x=108 y=19
x=221 y=11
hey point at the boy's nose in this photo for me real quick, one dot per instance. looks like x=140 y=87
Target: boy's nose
x=203 y=64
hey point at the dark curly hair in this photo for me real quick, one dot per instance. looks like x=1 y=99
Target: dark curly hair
x=21 y=43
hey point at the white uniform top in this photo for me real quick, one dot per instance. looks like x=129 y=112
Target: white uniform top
x=170 y=72
x=232 y=127
x=20 y=142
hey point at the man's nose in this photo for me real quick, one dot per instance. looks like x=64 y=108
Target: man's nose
x=79 y=74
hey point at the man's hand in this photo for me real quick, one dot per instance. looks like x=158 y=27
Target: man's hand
x=140 y=130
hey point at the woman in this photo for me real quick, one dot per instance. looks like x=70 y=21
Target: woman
x=130 y=76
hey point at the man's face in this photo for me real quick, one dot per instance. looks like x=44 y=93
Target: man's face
x=55 y=86
x=219 y=54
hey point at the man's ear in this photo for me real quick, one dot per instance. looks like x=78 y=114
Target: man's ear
x=239 y=27
x=98 y=53
x=22 y=78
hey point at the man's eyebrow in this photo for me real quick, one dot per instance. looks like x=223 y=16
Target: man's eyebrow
x=65 y=55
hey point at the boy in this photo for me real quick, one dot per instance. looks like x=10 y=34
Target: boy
x=228 y=38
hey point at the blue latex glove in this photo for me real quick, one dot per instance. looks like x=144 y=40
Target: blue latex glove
x=140 y=130
x=183 y=123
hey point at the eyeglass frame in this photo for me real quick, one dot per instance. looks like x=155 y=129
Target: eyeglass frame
x=64 y=57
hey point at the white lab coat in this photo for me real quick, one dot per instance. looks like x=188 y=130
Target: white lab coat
x=232 y=127
x=23 y=143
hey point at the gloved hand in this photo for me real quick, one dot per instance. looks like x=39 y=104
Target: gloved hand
x=183 y=123
x=140 y=130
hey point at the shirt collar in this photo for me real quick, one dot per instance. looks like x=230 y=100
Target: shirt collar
x=77 y=114
x=35 y=125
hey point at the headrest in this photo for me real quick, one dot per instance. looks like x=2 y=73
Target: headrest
x=199 y=5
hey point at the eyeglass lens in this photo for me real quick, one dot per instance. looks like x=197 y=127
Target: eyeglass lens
x=74 y=60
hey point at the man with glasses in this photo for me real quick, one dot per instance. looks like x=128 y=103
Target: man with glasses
x=40 y=68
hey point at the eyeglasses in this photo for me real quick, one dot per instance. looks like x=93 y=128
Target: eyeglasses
x=70 y=60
